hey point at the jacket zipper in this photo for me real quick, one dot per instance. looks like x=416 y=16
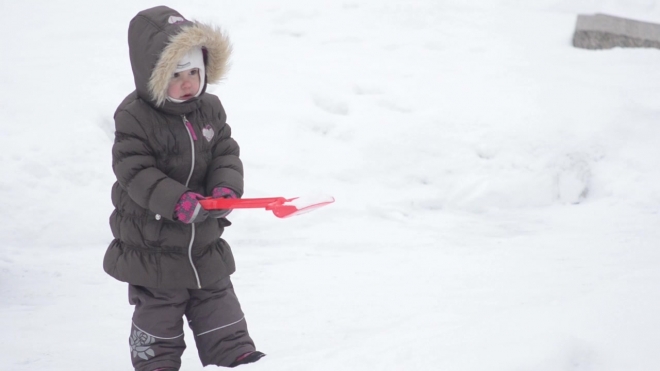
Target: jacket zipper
x=193 y=138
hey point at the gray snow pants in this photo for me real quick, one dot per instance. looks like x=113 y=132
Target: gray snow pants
x=213 y=313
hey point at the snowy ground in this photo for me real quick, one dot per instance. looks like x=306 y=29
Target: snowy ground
x=497 y=190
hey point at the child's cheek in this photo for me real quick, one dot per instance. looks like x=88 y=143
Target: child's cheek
x=172 y=90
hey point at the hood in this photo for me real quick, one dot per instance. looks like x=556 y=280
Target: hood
x=158 y=38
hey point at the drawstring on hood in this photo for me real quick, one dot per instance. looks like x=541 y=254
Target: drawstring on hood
x=160 y=37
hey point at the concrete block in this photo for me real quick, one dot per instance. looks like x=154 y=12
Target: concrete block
x=601 y=31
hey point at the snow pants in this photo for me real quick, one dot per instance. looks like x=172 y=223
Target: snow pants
x=213 y=313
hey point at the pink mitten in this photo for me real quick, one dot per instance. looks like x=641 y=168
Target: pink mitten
x=189 y=210
x=222 y=192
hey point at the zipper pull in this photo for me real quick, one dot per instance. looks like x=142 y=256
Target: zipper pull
x=191 y=130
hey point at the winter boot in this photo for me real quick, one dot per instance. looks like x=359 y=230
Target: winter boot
x=249 y=357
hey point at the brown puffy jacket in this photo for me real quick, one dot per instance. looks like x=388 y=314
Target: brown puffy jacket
x=156 y=158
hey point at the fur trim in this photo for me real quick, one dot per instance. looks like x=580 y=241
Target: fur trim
x=210 y=38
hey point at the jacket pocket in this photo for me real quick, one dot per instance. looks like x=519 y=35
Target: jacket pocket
x=151 y=231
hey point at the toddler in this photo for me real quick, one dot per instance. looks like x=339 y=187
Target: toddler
x=173 y=147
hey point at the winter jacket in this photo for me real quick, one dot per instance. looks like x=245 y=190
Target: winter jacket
x=163 y=149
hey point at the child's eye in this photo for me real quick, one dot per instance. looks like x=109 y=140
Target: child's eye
x=194 y=72
x=176 y=74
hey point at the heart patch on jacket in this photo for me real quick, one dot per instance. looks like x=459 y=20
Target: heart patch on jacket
x=208 y=132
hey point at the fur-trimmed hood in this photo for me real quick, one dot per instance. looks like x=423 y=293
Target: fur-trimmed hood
x=159 y=37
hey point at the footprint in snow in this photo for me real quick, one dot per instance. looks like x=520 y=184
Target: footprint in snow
x=573 y=178
x=331 y=105
x=367 y=89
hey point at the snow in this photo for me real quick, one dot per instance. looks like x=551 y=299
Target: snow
x=496 y=189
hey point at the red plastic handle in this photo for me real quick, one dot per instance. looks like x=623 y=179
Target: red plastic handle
x=280 y=206
x=238 y=203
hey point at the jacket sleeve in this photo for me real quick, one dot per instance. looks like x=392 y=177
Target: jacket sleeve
x=226 y=168
x=134 y=164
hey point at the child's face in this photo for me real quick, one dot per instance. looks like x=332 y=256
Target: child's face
x=184 y=85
